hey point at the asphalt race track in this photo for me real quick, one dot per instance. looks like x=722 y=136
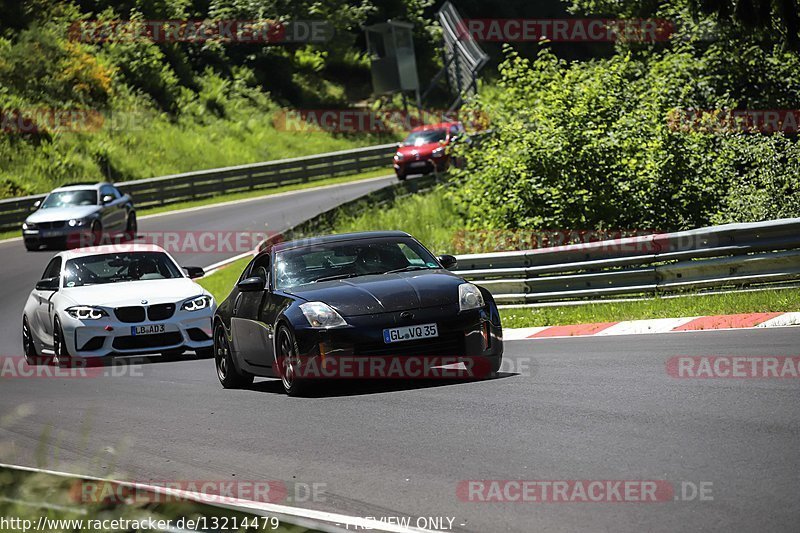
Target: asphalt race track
x=19 y=269
x=599 y=408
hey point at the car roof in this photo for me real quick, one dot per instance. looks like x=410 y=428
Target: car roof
x=313 y=241
x=439 y=126
x=81 y=186
x=110 y=249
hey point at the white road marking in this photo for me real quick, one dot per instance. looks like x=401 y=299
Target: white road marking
x=638 y=327
x=786 y=319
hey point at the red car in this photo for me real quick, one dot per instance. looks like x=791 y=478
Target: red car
x=426 y=150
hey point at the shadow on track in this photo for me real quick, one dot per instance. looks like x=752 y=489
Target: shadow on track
x=353 y=387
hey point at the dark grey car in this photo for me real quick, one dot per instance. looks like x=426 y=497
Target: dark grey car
x=79 y=215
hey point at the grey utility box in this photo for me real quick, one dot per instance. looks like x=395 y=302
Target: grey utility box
x=391 y=49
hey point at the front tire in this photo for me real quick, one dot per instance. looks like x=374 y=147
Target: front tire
x=229 y=377
x=96 y=233
x=61 y=355
x=289 y=363
x=131 y=227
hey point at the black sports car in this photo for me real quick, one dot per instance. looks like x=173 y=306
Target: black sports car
x=360 y=305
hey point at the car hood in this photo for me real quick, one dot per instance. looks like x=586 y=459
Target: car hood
x=384 y=293
x=57 y=214
x=422 y=150
x=127 y=293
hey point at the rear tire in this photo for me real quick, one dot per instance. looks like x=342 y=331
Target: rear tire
x=288 y=363
x=228 y=375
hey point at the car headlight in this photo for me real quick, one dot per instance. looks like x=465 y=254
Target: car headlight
x=398 y=156
x=28 y=225
x=321 y=315
x=197 y=303
x=77 y=222
x=469 y=297
x=439 y=152
x=86 y=312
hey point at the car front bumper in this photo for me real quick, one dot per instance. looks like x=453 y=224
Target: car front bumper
x=62 y=236
x=474 y=335
x=110 y=336
x=421 y=166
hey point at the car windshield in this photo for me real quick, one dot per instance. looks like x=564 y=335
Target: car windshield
x=116 y=267
x=418 y=138
x=347 y=259
x=70 y=198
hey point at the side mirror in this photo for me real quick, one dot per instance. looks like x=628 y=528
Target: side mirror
x=253 y=284
x=36 y=204
x=194 y=272
x=107 y=199
x=448 y=261
x=47 y=284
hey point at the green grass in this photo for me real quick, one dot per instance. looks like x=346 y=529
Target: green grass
x=430 y=217
x=221 y=282
x=154 y=144
x=779 y=300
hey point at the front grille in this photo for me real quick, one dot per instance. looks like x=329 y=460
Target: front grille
x=92 y=345
x=142 y=342
x=450 y=344
x=130 y=314
x=160 y=311
x=197 y=334
x=50 y=225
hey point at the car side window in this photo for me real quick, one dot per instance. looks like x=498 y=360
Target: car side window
x=53 y=269
x=107 y=190
x=246 y=272
x=115 y=192
x=261 y=267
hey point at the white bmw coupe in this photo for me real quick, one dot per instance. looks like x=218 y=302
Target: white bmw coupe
x=116 y=300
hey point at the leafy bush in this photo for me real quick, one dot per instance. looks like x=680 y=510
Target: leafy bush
x=591 y=144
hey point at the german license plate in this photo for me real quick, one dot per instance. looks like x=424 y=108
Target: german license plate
x=148 y=329
x=418 y=164
x=410 y=333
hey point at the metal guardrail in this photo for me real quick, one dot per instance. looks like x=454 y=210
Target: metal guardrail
x=717 y=257
x=206 y=183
